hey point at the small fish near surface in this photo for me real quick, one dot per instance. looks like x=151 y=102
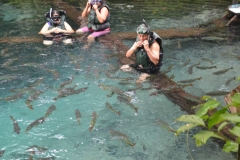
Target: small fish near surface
x=1 y=152
x=205 y=67
x=13 y=97
x=35 y=123
x=112 y=109
x=66 y=82
x=231 y=79
x=218 y=93
x=190 y=80
x=122 y=136
x=15 y=125
x=125 y=100
x=222 y=71
x=164 y=124
x=78 y=115
x=186 y=62
x=190 y=69
x=94 y=119
x=50 y=110
x=213 y=38
x=36 y=149
x=208 y=60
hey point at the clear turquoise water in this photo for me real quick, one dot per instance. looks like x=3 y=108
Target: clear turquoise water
x=60 y=134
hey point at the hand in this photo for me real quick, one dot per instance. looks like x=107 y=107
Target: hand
x=95 y=6
x=88 y=4
x=146 y=45
x=138 y=44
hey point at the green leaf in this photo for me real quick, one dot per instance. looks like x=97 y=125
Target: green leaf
x=222 y=125
x=235 y=131
x=230 y=146
x=215 y=118
x=237 y=78
x=202 y=137
x=209 y=105
x=236 y=98
x=185 y=127
x=191 y=119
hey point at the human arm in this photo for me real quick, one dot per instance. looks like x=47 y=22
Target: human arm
x=45 y=30
x=86 y=10
x=68 y=29
x=102 y=14
x=133 y=48
x=153 y=51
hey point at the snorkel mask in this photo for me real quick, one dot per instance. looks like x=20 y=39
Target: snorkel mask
x=92 y=2
x=143 y=28
x=53 y=19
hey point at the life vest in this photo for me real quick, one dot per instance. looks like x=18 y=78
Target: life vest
x=142 y=56
x=51 y=22
x=94 y=24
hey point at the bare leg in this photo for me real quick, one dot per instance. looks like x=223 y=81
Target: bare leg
x=90 y=40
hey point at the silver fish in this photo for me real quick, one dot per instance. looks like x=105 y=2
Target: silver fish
x=78 y=115
x=15 y=125
x=208 y=60
x=206 y=67
x=126 y=100
x=50 y=110
x=190 y=80
x=35 y=123
x=1 y=152
x=213 y=38
x=190 y=69
x=222 y=71
x=186 y=62
x=218 y=93
x=231 y=79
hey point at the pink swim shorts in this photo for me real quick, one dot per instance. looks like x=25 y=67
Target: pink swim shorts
x=96 y=33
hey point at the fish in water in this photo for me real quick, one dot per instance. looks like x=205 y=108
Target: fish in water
x=222 y=71
x=190 y=69
x=15 y=125
x=112 y=109
x=205 y=67
x=179 y=45
x=70 y=91
x=231 y=79
x=94 y=118
x=213 y=38
x=186 y=62
x=1 y=152
x=122 y=136
x=208 y=60
x=39 y=81
x=36 y=149
x=13 y=97
x=35 y=123
x=66 y=83
x=125 y=100
x=78 y=115
x=190 y=80
x=50 y=110
x=164 y=124
x=218 y=93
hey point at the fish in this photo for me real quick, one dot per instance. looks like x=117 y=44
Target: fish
x=179 y=45
x=55 y=73
x=35 y=123
x=208 y=60
x=70 y=91
x=113 y=89
x=190 y=69
x=213 y=38
x=7 y=78
x=10 y=61
x=170 y=67
x=190 y=80
x=1 y=152
x=78 y=115
x=222 y=71
x=39 y=81
x=94 y=118
x=122 y=136
x=231 y=79
x=36 y=149
x=205 y=67
x=186 y=63
x=218 y=93
x=47 y=158
x=13 y=97
x=28 y=103
x=50 y=110
x=66 y=83
x=15 y=125
x=125 y=100
x=112 y=109
x=165 y=125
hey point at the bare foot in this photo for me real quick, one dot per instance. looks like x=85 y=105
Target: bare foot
x=126 y=68
x=142 y=77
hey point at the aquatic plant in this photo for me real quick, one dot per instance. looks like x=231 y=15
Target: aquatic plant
x=216 y=122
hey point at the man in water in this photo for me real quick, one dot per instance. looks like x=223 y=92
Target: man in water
x=148 y=52
x=56 y=29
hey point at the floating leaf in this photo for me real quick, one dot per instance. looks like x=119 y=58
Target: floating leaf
x=235 y=131
x=230 y=146
x=238 y=78
x=222 y=125
x=206 y=97
x=185 y=128
x=202 y=137
x=209 y=105
x=191 y=119
x=215 y=118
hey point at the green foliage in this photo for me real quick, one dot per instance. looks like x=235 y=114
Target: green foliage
x=214 y=123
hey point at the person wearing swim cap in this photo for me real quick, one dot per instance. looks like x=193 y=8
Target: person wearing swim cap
x=56 y=28
x=148 y=52
x=98 y=15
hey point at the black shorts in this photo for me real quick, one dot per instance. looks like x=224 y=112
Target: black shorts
x=148 y=71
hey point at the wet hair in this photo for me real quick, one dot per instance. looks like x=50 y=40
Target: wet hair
x=54 y=12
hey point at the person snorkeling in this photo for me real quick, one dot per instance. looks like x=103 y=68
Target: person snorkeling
x=148 y=52
x=56 y=28
x=98 y=15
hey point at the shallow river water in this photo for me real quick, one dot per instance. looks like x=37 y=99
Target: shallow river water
x=32 y=76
